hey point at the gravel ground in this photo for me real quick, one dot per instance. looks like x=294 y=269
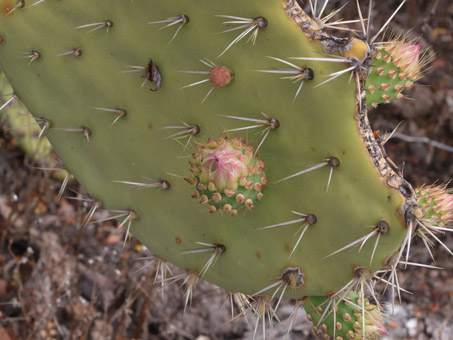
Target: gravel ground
x=61 y=281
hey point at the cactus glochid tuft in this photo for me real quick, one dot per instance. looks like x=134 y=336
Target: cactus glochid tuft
x=355 y=213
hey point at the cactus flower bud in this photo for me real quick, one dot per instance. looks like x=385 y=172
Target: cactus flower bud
x=225 y=170
x=436 y=203
x=397 y=65
x=406 y=56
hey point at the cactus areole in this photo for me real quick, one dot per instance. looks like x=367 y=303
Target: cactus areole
x=293 y=176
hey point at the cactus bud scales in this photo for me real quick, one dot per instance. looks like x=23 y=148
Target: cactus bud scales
x=123 y=61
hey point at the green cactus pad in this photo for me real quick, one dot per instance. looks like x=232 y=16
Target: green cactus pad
x=99 y=60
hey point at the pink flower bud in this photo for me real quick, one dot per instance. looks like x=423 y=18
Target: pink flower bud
x=223 y=173
x=406 y=57
x=409 y=57
x=436 y=203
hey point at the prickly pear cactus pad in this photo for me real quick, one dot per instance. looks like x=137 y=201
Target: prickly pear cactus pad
x=231 y=138
x=116 y=68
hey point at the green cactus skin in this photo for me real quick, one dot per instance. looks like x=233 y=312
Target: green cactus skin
x=319 y=124
x=113 y=85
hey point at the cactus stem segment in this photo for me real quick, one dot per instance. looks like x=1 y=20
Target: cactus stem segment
x=269 y=124
x=32 y=55
x=77 y=52
x=97 y=25
x=187 y=130
x=333 y=162
x=306 y=220
x=119 y=113
x=38 y=121
x=181 y=20
x=381 y=228
x=161 y=183
x=217 y=249
x=251 y=26
x=218 y=76
x=295 y=74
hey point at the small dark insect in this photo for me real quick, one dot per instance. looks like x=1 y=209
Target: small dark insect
x=153 y=75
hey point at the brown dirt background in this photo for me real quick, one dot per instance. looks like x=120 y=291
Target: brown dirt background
x=58 y=281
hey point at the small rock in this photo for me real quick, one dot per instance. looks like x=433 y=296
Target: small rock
x=411 y=326
x=203 y=337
